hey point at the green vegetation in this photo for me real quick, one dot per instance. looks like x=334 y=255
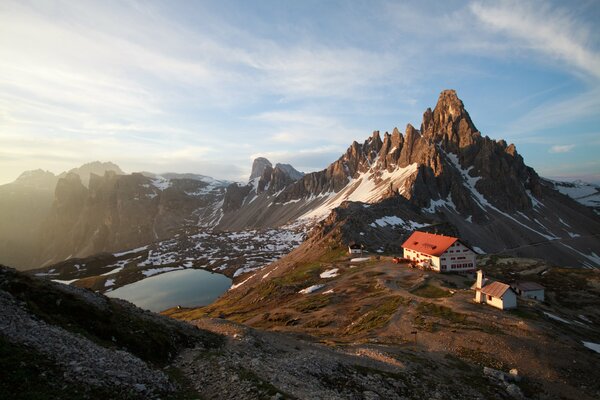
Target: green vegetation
x=334 y=254
x=378 y=316
x=431 y=291
x=312 y=303
x=443 y=312
x=303 y=274
x=277 y=319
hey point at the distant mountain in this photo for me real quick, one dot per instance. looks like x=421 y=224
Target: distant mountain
x=587 y=194
x=45 y=218
x=95 y=167
x=24 y=203
x=451 y=174
x=258 y=167
x=120 y=212
x=290 y=171
x=445 y=174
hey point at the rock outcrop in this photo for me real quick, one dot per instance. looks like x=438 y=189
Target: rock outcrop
x=258 y=167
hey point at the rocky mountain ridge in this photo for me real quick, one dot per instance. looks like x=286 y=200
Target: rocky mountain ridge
x=120 y=212
x=452 y=174
x=446 y=170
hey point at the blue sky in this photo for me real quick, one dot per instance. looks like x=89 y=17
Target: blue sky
x=206 y=86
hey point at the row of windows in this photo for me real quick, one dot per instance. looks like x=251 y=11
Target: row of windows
x=458 y=251
x=461 y=266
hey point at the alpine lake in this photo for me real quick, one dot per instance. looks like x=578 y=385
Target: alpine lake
x=186 y=288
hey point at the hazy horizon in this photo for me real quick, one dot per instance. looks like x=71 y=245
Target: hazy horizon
x=204 y=88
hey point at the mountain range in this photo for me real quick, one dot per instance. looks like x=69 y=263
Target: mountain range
x=445 y=175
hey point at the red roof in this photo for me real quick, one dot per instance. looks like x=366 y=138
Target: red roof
x=429 y=243
x=495 y=289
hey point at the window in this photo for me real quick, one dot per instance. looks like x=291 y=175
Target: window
x=489 y=298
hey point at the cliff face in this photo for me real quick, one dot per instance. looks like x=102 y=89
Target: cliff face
x=24 y=203
x=123 y=211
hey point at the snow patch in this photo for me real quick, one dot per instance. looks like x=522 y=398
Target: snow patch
x=311 y=289
x=237 y=285
x=64 y=282
x=330 y=273
x=557 y=318
x=592 y=346
x=478 y=250
x=131 y=251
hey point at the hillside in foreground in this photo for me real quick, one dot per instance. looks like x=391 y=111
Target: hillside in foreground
x=60 y=342
x=375 y=306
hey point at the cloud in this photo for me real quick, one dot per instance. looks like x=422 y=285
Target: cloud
x=539 y=27
x=557 y=113
x=561 y=148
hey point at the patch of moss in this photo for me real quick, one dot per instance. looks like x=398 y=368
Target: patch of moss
x=431 y=292
x=378 y=316
x=436 y=310
x=318 y=323
x=302 y=274
x=312 y=303
x=334 y=254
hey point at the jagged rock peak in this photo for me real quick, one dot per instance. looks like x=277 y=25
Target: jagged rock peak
x=98 y=168
x=259 y=165
x=450 y=123
x=34 y=173
x=290 y=171
x=449 y=103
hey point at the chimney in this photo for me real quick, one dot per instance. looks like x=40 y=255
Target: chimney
x=479 y=284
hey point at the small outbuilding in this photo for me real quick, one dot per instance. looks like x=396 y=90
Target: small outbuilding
x=494 y=293
x=355 y=248
x=529 y=290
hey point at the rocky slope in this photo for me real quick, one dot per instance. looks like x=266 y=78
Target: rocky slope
x=451 y=173
x=374 y=306
x=119 y=212
x=61 y=342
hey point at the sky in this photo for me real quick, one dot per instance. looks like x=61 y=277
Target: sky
x=207 y=86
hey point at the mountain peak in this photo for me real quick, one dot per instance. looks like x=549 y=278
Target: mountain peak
x=259 y=165
x=290 y=171
x=449 y=104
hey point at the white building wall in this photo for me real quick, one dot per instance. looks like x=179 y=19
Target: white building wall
x=507 y=301
x=534 y=294
x=459 y=258
x=435 y=263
